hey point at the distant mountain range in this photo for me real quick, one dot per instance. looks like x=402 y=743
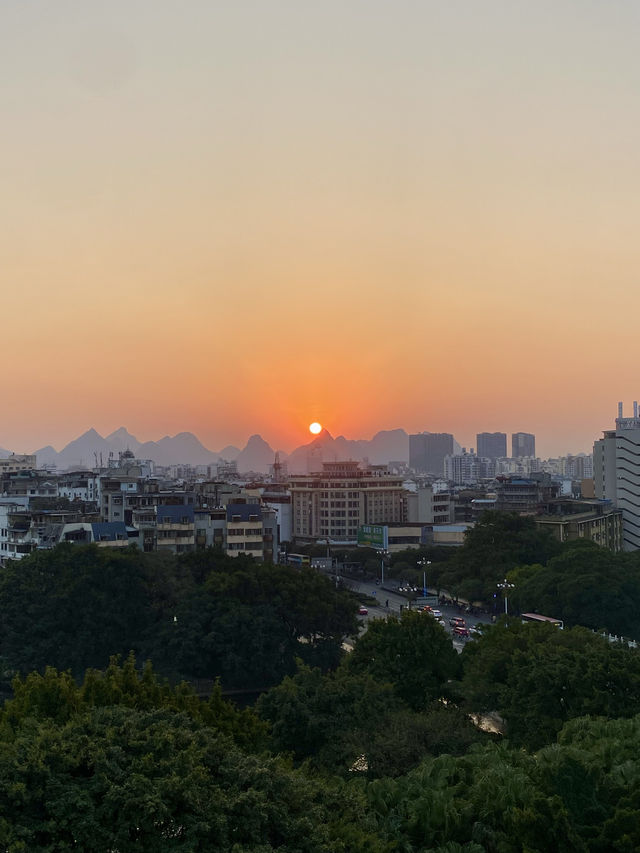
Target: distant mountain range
x=91 y=449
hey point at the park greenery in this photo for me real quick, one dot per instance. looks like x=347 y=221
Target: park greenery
x=118 y=733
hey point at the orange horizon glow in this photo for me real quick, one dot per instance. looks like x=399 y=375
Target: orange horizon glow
x=218 y=221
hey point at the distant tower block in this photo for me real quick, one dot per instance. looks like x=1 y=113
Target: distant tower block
x=635 y=408
x=620 y=410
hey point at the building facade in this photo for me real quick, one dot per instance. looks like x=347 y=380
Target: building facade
x=523 y=444
x=595 y=521
x=492 y=445
x=334 y=503
x=427 y=451
x=616 y=473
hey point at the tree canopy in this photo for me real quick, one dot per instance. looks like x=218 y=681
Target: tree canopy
x=412 y=652
x=497 y=543
x=203 y=616
x=584 y=585
x=538 y=677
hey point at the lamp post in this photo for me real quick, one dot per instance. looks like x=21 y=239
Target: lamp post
x=424 y=562
x=505 y=586
x=383 y=556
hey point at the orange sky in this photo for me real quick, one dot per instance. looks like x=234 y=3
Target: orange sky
x=236 y=218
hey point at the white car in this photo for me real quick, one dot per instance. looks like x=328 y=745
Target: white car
x=437 y=614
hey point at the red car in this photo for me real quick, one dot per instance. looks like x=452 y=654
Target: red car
x=362 y=610
x=457 y=622
x=461 y=631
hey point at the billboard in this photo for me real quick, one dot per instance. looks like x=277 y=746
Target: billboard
x=373 y=536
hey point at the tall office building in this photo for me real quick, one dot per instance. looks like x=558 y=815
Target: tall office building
x=427 y=451
x=491 y=445
x=616 y=473
x=523 y=444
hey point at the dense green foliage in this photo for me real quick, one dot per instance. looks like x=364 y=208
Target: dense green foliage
x=201 y=616
x=538 y=677
x=584 y=585
x=335 y=719
x=371 y=752
x=412 y=652
x=499 y=542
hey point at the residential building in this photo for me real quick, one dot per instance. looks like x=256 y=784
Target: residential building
x=524 y=495
x=523 y=444
x=427 y=506
x=17 y=462
x=427 y=451
x=175 y=528
x=463 y=469
x=492 y=445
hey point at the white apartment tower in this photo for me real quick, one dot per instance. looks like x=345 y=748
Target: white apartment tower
x=616 y=473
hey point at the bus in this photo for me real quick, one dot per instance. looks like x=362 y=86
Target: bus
x=298 y=560
x=536 y=617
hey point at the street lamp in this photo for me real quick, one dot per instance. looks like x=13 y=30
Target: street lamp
x=505 y=586
x=424 y=562
x=383 y=556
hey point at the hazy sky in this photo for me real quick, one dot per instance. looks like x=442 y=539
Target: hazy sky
x=235 y=217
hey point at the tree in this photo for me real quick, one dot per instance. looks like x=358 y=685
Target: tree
x=584 y=585
x=56 y=696
x=201 y=616
x=328 y=719
x=499 y=542
x=538 y=677
x=413 y=653
x=73 y=607
x=248 y=622
x=117 y=778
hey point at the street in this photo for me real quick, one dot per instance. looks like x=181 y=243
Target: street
x=382 y=595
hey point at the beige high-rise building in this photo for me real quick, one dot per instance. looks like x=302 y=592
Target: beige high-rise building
x=334 y=503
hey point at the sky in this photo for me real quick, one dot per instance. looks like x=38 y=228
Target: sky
x=229 y=218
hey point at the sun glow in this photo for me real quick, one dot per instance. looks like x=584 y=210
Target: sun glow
x=315 y=428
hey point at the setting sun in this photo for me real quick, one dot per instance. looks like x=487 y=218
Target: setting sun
x=315 y=428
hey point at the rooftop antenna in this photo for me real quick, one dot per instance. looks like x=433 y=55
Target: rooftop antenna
x=277 y=468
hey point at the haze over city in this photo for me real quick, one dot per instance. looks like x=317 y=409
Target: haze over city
x=238 y=218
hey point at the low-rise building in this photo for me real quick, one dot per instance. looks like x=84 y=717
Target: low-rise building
x=594 y=520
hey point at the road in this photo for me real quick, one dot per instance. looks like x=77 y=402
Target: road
x=396 y=600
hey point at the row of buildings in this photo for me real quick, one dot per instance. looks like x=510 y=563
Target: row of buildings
x=428 y=450
x=127 y=503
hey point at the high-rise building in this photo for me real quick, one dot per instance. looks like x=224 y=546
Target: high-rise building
x=616 y=473
x=427 y=451
x=491 y=445
x=523 y=444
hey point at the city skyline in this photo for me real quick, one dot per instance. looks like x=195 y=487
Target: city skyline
x=306 y=438
x=234 y=218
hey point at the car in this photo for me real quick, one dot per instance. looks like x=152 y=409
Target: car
x=474 y=631
x=457 y=622
x=460 y=631
x=437 y=614
x=362 y=610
